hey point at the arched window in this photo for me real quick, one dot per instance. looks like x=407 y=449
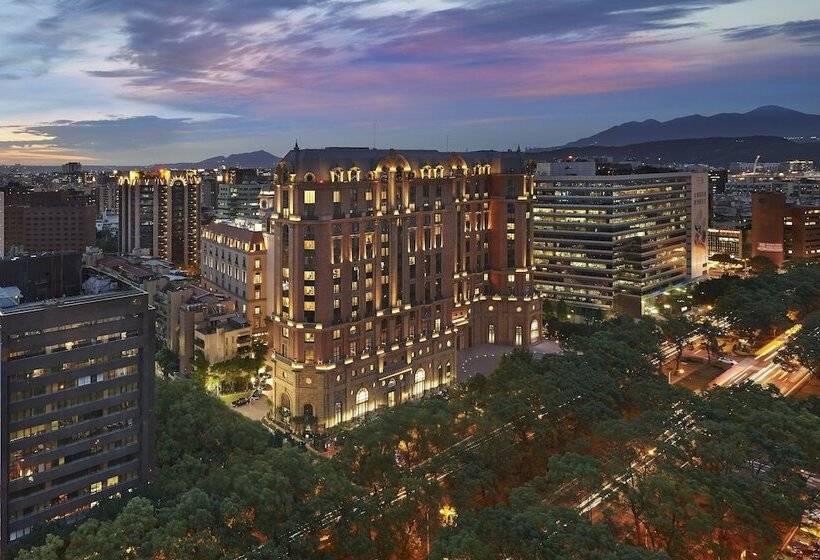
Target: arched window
x=310 y=177
x=361 y=402
x=307 y=411
x=355 y=174
x=426 y=172
x=491 y=334
x=337 y=175
x=284 y=402
x=418 y=382
x=535 y=334
x=439 y=172
x=519 y=335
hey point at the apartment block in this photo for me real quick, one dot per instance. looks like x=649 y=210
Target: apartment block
x=612 y=242
x=76 y=388
x=383 y=265
x=234 y=263
x=160 y=215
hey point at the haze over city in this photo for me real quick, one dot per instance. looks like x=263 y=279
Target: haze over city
x=143 y=81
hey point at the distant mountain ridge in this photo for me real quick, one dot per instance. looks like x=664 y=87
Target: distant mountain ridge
x=259 y=158
x=719 y=152
x=769 y=120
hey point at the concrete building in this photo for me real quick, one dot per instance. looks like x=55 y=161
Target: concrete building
x=728 y=241
x=181 y=307
x=40 y=222
x=160 y=215
x=384 y=264
x=781 y=231
x=223 y=338
x=238 y=193
x=565 y=168
x=76 y=388
x=234 y=263
x=613 y=242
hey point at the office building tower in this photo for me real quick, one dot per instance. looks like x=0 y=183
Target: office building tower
x=383 y=265
x=612 y=242
x=234 y=263
x=39 y=222
x=76 y=388
x=160 y=215
x=238 y=193
x=782 y=231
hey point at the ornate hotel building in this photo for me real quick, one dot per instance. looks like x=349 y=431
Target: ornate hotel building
x=160 y=215
x=383 y=265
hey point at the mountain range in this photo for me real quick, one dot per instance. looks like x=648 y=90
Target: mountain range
x=719 y=152
x=769 y=120
x=259 y=158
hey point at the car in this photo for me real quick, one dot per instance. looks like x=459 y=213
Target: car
x=240 y=402
x=727 y=361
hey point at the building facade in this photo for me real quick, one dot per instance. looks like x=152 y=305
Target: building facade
x=76 y=389
x=610 y=242
x=234 y=263
x=782 y=231
x=39 y=222
x=160 y=215
x=382 y=265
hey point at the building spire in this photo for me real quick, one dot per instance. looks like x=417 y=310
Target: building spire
x=296 y=146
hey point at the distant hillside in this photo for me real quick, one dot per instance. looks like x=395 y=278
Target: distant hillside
x=770 y=120
x=713 y=151
x=259 y=158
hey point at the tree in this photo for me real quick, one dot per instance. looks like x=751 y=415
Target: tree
x=804 y=347
x=678 y=330
x=760 y=264
x=711 y=334
x=50 y=550
x=167 y=360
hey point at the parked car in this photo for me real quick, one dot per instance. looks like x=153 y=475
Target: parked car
x=727 y=361
x=241 y=401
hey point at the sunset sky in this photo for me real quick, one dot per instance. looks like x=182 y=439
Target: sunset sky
x=144 y=81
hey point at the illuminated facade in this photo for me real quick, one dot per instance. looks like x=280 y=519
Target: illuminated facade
x=383 y=265
x=160 y=215
x=234 y=263
x=608 y=242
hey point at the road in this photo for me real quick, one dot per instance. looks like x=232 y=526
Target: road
x=761 y=368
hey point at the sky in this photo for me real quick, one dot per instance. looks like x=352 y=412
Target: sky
x=132 y=82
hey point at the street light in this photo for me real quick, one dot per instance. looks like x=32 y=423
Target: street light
x=448 y=515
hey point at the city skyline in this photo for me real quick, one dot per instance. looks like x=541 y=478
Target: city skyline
x=140 y=82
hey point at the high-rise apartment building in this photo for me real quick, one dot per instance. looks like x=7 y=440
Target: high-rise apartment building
x=608 y=242
x=76 y=387
x=160 y=215
x=234 y=263
x=40 y=222
x=383 y=265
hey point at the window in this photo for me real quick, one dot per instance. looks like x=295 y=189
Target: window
x=534 y=331
x=491 y=334
x=418 y=382
x=519 y=335
x=361 y=402
x=310 y=197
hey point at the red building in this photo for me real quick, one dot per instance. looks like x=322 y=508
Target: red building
x=40 y=222
x=780 y=231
